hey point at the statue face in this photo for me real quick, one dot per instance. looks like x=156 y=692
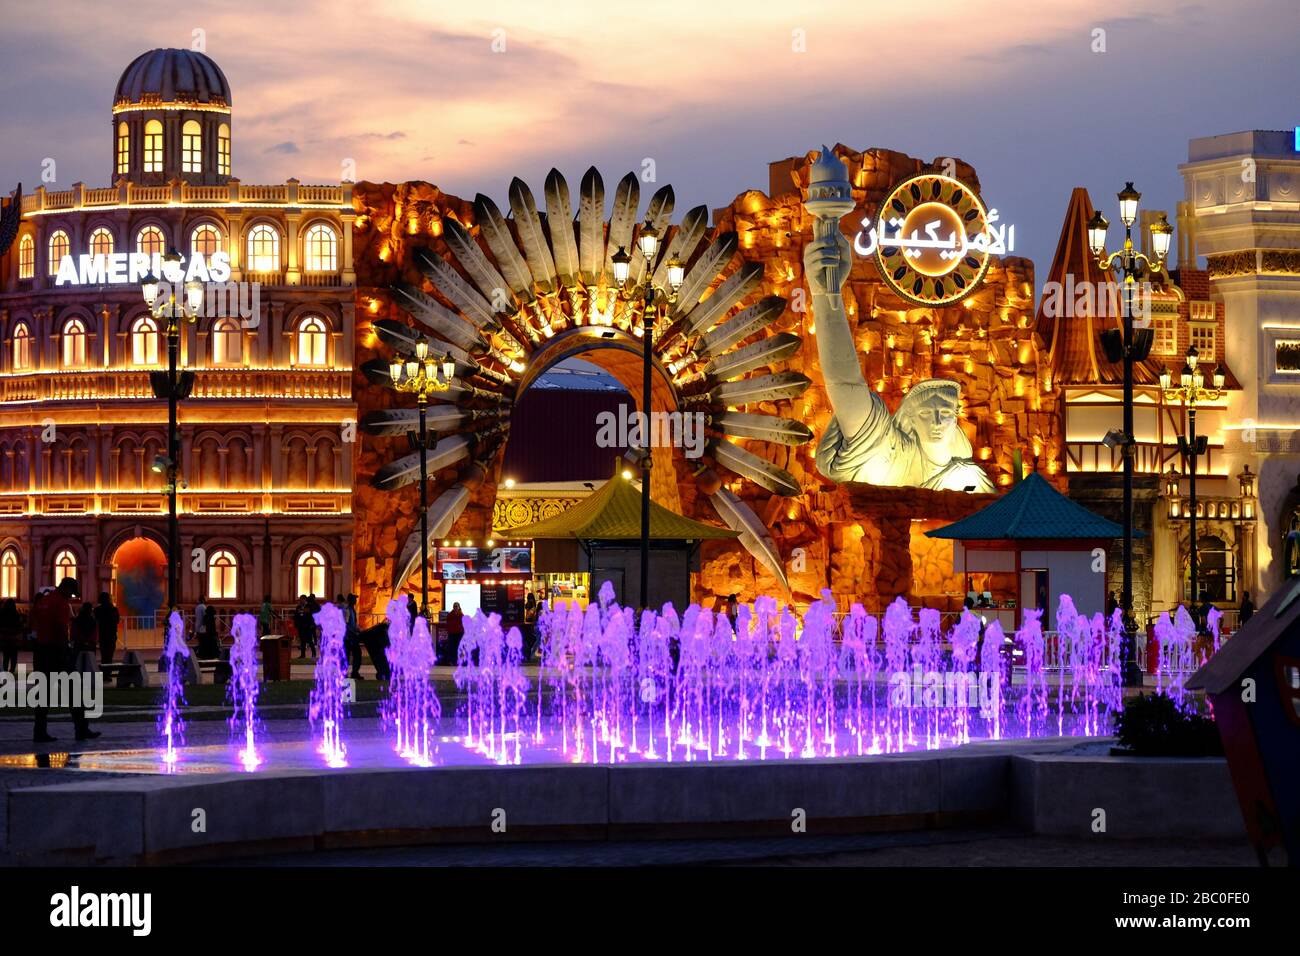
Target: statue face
x=933 y=422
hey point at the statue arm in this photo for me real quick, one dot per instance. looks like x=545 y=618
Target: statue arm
x=827 y=261
x=851 y=398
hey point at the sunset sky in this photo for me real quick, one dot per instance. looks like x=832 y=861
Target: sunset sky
x=712 y=91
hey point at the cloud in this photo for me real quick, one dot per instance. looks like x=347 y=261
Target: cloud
x=412 y=91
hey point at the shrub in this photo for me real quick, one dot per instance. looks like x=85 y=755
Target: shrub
x=1151 y=725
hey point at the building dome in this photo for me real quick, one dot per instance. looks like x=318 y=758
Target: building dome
x=173 y=76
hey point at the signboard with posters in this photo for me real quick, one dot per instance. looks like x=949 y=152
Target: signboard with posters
x=457 y=563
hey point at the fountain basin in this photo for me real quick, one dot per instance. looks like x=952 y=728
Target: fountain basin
x=152 y=818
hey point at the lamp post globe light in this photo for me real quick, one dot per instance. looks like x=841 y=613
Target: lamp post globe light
x=421 y=375
x=173 y=385
x=648 y=243
x=1128 y=345
x=1190 y=390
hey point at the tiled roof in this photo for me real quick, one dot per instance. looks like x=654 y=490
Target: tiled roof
x=1033 y=509
x=1075 y=355
x=613 y=512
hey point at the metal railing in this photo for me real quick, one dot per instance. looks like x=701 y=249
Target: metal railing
x=289 y=193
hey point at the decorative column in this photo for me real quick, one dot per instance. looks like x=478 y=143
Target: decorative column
x=292 y=219
x=235 y=236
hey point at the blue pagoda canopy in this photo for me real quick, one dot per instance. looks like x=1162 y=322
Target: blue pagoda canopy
x=1032 y=510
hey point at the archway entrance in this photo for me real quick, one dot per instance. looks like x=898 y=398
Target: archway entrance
x=139 y=583
x=618 y=355
x=1217 y=569
x=573 y=421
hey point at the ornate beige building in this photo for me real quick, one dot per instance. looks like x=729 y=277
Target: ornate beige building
x=267 y=435
x=1241 y=212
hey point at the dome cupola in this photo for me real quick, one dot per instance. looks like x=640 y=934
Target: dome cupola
x=171 y=120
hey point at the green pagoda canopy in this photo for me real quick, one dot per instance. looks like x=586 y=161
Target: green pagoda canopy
x=613 y=512
x=1033 y=509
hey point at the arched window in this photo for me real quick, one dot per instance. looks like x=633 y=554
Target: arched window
x=1217 y=570
x=9 y=573
x=123 y=148
x=26 y=257
x=227 y=342
x=101 y=242
x=150 y=241
x=263 y=249
x=191 y=147
x=73 y=342
x=311 y=569
x=59 y=247
x=222 y=571
x=320 y=249
x=223 y=149
x=309 y=343
x=205 y=240
x=22 y=347
x=153 y=147
x=65 y=566
x=144 y=341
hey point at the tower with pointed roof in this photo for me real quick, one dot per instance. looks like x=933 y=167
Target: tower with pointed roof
x=1080 y=302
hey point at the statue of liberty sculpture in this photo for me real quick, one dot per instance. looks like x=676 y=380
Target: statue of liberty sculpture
x=922 y=444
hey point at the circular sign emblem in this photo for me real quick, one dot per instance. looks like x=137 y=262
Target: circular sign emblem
x=931 y=240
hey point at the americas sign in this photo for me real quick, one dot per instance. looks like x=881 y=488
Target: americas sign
x=120 y=268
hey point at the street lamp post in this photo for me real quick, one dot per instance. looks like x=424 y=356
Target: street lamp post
x=1190 y=390
x=173 y=385
x=1126 y=346
x=422 y=376
x=648 y=242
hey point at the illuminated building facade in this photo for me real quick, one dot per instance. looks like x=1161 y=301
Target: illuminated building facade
x=266 y=436
x=1241 y=212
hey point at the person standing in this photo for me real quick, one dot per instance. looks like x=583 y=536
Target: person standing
x=455 y=631
x=11 y=626
x=106 y=621
x=305 y=626
x=51 y=620
x=199 y=610
x=266 y=617
x=352 y=635
x=530 y=625
x=85 y=629
x=1246 y=611
x=313 y=608
x=209 y=646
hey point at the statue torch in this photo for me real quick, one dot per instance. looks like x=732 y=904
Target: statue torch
x=830 y=197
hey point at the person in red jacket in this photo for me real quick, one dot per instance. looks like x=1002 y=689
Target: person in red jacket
x=51 y=620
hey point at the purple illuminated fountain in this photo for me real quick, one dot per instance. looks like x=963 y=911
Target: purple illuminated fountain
x=768 y=684
x=327 y=705
x=1213 y=617
x=241 y=692
x=1176 y=640
x=412 y=710
x=171 y=723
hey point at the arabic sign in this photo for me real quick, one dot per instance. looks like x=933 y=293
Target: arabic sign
x=933 y=239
